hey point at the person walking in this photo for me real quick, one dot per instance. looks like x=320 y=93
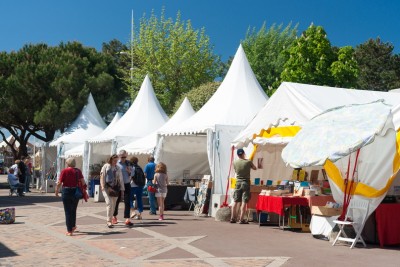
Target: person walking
x=69 y=179
x=112 y=186
x=137 y=182
x=149 y=171
x=125 y=167
x=161 y=182
x=241 y=194
x=28 y=173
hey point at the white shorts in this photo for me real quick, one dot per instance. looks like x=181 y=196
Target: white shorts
x=164 y=195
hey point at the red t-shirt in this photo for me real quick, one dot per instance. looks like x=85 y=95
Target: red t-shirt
x=68 y=177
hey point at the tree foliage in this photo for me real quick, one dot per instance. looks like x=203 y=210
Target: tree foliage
x=345 y=68
x=44 y=88
x=264 y=51
x=313 y=60
x=198 y=96
x=379 y=67
x=310 y=58
x=176 y=56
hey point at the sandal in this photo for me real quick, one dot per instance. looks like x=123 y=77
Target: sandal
x=114 y=220
x=68 y=233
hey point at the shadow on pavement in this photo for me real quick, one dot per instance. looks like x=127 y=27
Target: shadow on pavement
x=6 y=252
x=29 y=199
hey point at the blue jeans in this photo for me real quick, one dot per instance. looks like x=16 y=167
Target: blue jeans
x=152 y=199
x=28 y=179
x=70 y=206
x=138 y=193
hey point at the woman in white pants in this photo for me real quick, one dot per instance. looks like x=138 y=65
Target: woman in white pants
x=112 y=185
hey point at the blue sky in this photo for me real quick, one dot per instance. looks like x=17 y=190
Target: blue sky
x=93 y=22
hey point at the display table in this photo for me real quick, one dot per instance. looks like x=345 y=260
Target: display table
x=175 y=196
x=276 y=204
x=387 y=218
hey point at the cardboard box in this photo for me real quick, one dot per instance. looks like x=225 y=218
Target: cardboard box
x=325 y=211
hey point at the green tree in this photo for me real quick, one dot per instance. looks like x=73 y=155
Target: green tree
x=44 y=88
x=379 y=67
x=345 y=69
x=310 y=58
x=176 y=57
x=198 y=96
x=264 y=51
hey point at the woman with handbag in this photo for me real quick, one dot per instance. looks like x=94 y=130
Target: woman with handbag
x=70 y=179
x=161 y=183
x=112 y=186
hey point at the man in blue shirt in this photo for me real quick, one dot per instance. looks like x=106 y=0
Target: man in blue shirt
x=126 y=174
x=149 y=171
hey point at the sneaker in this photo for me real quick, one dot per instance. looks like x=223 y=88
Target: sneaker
x=114 y=220
x=243 y=222
x=152 y=213
x=161 y=218
x=139 y=217
x=109 y=225
x=128 y=224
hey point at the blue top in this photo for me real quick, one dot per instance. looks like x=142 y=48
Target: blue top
x=150 y=170
x=124 y=168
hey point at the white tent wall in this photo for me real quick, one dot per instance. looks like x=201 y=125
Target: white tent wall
x=273 y=167
x=49 y=155
x=181 y=153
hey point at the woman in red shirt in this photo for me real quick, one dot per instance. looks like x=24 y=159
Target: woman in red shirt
x=69 y=178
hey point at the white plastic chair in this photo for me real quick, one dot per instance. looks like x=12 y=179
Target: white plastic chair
x=356 y=216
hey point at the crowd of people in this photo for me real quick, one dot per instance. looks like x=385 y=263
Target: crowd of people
x=20 y=175
x=121 y=180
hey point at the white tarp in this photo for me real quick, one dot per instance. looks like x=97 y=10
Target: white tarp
x=332 y=137
x=201 y=145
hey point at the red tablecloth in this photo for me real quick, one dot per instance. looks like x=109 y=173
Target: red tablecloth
x=387 y=218
x=276 y=204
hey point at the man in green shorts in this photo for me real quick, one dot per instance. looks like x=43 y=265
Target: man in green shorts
x=241 y=195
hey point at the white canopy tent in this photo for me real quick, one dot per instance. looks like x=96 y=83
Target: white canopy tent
x=144 y=116
x=288 y=109
x=355 y=143
x=78 y=151
x=201 y=145
x=88 y=124
x=145 y=146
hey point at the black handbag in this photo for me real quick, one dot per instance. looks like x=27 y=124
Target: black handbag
x=113 y=191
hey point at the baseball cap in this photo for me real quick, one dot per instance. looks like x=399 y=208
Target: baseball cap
x=240 y=151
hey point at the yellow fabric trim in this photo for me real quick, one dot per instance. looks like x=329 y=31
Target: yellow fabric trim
x=285 y=131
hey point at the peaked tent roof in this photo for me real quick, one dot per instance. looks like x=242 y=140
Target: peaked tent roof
x=144 y=116
x=12 y=141
x=295 y=104
x=88 y=124
x=78 y=150
x=236 y=101
x=147 y=144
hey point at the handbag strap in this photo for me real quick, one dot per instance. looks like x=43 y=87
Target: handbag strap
x=76 y=175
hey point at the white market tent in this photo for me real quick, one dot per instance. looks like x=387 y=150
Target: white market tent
x=78 y=151
x=89 y=123
x=201 y=145
x=145 y=146
x=288 y=109
x=144 y=116
x=359 y=137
